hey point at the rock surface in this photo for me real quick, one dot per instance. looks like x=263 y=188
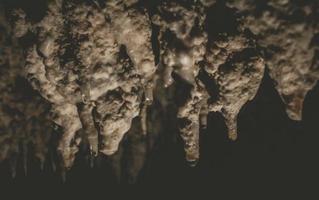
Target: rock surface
x=109 y=71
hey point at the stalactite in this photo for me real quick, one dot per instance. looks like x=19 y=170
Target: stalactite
x=287 y=31
x=237 y=69
x=24 y=114
x=108 y=72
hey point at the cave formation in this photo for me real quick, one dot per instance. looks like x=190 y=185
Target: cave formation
x=80 y=77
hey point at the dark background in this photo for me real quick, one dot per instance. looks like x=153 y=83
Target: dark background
x=273 y=156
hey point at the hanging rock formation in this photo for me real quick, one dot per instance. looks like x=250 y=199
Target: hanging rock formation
x=106 y=71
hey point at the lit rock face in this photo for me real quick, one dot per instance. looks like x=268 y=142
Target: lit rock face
x=237 y=68
x=288 y=31
x=94 y=62
x=182 y=48
x=87 y=64
x=231 y=62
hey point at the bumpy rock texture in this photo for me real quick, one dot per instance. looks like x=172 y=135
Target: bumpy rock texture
x=101 y=70
x=288 y=32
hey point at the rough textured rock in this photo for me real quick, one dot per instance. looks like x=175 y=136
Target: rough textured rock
x=86 y=57
x=24 y=114
x=182 y=47
x=237 y=69
x=232 y=62
x=110 y=71
x=288 y=31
